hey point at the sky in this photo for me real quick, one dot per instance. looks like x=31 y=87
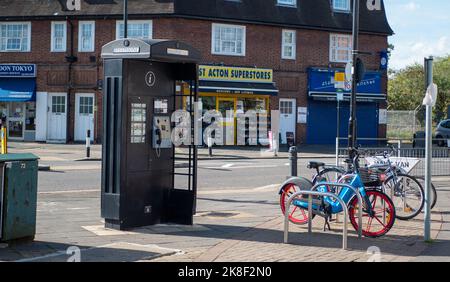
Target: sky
x=422 y=28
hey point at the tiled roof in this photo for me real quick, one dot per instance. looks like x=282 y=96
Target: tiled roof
x=316 y=14
x=45 y=8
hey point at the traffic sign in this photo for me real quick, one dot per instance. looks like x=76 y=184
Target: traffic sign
x=339 y=77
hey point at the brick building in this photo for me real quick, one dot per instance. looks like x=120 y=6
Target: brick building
x=51 y=69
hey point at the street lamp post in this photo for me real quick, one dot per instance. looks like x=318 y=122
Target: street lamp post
x=429 y=102
x=125 y=18
x=355 y=46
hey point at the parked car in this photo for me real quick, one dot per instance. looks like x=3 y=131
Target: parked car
x=443 y=133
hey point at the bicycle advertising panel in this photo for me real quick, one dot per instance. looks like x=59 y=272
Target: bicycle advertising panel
x=407 y=164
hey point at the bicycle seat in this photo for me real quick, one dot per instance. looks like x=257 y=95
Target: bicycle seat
x=315 y=165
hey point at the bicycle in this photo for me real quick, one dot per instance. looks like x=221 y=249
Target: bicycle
x=390 y=177
x=405 y=190
x=378 y=208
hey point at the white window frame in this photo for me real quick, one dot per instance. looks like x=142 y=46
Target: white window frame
x=244 y=36
x=334 y=59
x=340 y=9
x=64 y=47
x=285 y=44
x=28 y=37
x=288 y=3
x=80 y=34
x=150 y=22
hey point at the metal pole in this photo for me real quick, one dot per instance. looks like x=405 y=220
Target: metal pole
x=338 y=118
x=310 y=214
x=125 y=19
x=337 y=151
x=353 y=122
x=428 y=151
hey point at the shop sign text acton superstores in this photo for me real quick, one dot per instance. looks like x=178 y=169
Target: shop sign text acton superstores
x=17 y=70
x=235 y=74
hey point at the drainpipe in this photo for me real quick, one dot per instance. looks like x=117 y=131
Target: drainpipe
x=71 y=59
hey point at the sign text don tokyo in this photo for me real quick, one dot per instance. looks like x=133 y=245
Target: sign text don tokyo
x=220 y=130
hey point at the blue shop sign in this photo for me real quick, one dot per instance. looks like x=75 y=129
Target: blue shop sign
x=17 y=70
x=320 y=85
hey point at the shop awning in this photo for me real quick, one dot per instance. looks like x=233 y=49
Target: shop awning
x=224 y=87
x=17 y=89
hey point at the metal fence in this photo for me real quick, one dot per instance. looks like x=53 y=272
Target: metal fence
x=404 y=149
x=402 y=124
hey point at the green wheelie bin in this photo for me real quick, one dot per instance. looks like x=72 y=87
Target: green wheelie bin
x=18 y=196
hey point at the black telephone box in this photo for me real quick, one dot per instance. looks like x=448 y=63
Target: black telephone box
x=138 y=169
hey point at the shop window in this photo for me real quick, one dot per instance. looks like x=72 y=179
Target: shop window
x=208 y=103
x=30 y=116
x=248 y=104
x=3 y=112
x=138 y=123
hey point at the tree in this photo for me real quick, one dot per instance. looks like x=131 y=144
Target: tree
x=407 y=87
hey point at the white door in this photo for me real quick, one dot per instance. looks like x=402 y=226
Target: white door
x=84 y=116
x=57 y=117
x=288 y=108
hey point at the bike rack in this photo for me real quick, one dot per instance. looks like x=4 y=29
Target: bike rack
x=358 y=195
x=324 y=194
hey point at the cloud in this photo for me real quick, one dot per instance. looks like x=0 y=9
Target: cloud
x=414 y=52
x=411 y=6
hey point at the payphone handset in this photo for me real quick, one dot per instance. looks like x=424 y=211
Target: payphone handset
x=161 y=133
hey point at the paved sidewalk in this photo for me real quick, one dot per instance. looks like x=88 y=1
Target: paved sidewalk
x=264 y=243
x=439 y=251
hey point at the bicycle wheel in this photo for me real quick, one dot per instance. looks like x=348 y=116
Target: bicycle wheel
x=297 y=215
x=407 y=194
x=433 y=191
x=329 y=174
x=383 y=217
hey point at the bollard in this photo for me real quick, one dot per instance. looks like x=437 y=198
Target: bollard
x=88 y=144
x=4 y=140
x=293 y=158
x=210 y=143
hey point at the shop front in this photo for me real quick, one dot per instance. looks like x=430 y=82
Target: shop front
x=322 y=112
x=18 y=100
x=236 y=89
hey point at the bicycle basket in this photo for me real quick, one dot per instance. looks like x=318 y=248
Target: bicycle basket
x=371 y=177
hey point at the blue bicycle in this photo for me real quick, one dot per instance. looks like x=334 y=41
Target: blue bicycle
x=378 y=209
